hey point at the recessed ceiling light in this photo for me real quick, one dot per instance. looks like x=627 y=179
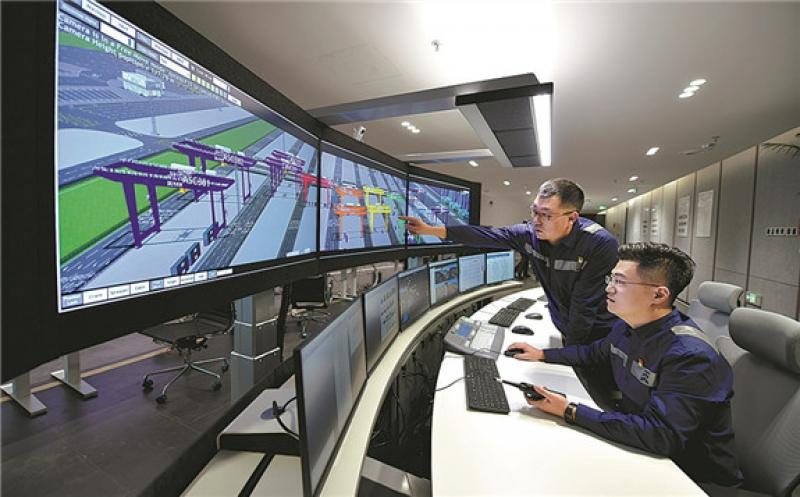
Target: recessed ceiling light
x=652 y=151
x=405 y=124
x=415 y=131
x=614 y=199
x=698 y=82
x=685 y=95
x=633 y=178
x=631 y=190
x=691 y=89
x=506 y=182
x=527 y=192
x=473 y=163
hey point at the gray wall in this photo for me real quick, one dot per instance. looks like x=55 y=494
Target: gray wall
x=751 y=191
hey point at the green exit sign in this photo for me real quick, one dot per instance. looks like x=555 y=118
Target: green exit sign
x=753 y=299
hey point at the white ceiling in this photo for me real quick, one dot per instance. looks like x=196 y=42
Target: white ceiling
x=617 y=69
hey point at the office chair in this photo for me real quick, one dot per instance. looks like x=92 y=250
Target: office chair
x=187 y=334
x=712 y=308
x=764 y=352
x=308 y=300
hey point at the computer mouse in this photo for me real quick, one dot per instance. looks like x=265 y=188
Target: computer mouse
x=522 y=330
x=513 y=352
x=533 y=315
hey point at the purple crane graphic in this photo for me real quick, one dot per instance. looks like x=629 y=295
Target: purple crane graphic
x=281 y=163
x=131 y=173
x=194 y=150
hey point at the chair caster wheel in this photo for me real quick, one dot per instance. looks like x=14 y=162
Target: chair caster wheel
x=161 y=399
x=225 y=366
x=217 y=386
x=147 y=384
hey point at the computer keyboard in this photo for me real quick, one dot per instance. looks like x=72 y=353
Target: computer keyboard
x=521 y=304
x=484 y=392
x=504 y=317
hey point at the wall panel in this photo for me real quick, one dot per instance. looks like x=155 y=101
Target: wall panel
x=704 y=232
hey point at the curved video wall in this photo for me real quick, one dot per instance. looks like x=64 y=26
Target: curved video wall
x=178 y=179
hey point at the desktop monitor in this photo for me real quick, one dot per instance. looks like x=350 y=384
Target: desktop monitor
x=438 y=204
x=330 y=371
x=443 y=280
x=166 y=174
x=499 y=267
x=413 y=289
x=471 y=272
x=381 y=320
x=361 y=201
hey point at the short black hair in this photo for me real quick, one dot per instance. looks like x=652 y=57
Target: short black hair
x=567 y=190
x=660 y=261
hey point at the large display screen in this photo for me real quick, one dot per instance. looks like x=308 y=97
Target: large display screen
x=438 y=205
x=471 y=272
x=414 y=291
x=381 y=319
x=499 y=267
x=330 y=371
x=443 y=280
x=166 y=174
x=361 y=200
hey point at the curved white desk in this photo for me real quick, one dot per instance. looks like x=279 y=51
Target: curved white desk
x=528 y=452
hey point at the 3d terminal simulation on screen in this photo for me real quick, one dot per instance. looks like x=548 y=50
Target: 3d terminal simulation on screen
x=437 y=205
x=166 y=174
x=360 y=205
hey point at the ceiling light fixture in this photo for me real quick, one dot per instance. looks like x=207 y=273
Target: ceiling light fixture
x=515 y=123
x=473 y=163
x=633 y=178
x=631 y=190
x=614 y=199
x=415 y=131
x=698 y=82
x=691 y=88
x=527 y=192
x=653 y=151
x=405 y=124
x=685 y=95
x=506 y=182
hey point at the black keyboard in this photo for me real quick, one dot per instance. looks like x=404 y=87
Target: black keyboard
x=521 y=304
x=484 y=392
x=504 y=317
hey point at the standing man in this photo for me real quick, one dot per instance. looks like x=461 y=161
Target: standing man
x=571 y=256
x=676 y=388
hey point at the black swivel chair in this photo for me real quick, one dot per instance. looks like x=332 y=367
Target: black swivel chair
x=187 y=334
x=310 y=297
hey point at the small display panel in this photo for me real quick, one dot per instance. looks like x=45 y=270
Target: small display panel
x=471 y=272
x=499 y=267
x=381 y=319
x=443 y=280
x=414 y=295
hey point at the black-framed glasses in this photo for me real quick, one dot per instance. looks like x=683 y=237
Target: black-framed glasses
x=547 y=217
x=615 y=281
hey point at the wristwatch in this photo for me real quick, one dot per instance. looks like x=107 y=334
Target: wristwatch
x=570 y=412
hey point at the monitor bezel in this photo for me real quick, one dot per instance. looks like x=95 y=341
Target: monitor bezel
x=482 y=284
x=444 y=262
x=385 y=344
x=405 y=274
x=487 y=267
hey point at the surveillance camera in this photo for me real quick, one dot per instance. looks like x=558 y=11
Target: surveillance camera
x=359 y=132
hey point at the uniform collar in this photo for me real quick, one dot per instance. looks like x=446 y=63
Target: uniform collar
x=571 y=239
x=653 y=327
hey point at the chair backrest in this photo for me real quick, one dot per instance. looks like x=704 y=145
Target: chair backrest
x=766 y=405
x=310 y=292
x=712 y=308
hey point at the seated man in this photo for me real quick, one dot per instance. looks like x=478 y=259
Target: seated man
x=676 y=388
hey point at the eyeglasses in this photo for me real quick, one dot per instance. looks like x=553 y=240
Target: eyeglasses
x=615 y=281
x=546 y=217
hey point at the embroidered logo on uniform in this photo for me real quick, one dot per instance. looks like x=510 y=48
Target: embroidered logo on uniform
x=581 y=262
x=642 y=374
x=619 y=353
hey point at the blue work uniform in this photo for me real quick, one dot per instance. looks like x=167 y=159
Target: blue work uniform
x=572 y=271
x=676 y=390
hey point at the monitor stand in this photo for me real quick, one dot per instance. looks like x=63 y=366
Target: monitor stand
x=256 y=429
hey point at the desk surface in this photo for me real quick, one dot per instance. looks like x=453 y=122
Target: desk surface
x=528 y=452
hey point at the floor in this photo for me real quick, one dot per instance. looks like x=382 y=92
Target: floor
x=121 y=442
